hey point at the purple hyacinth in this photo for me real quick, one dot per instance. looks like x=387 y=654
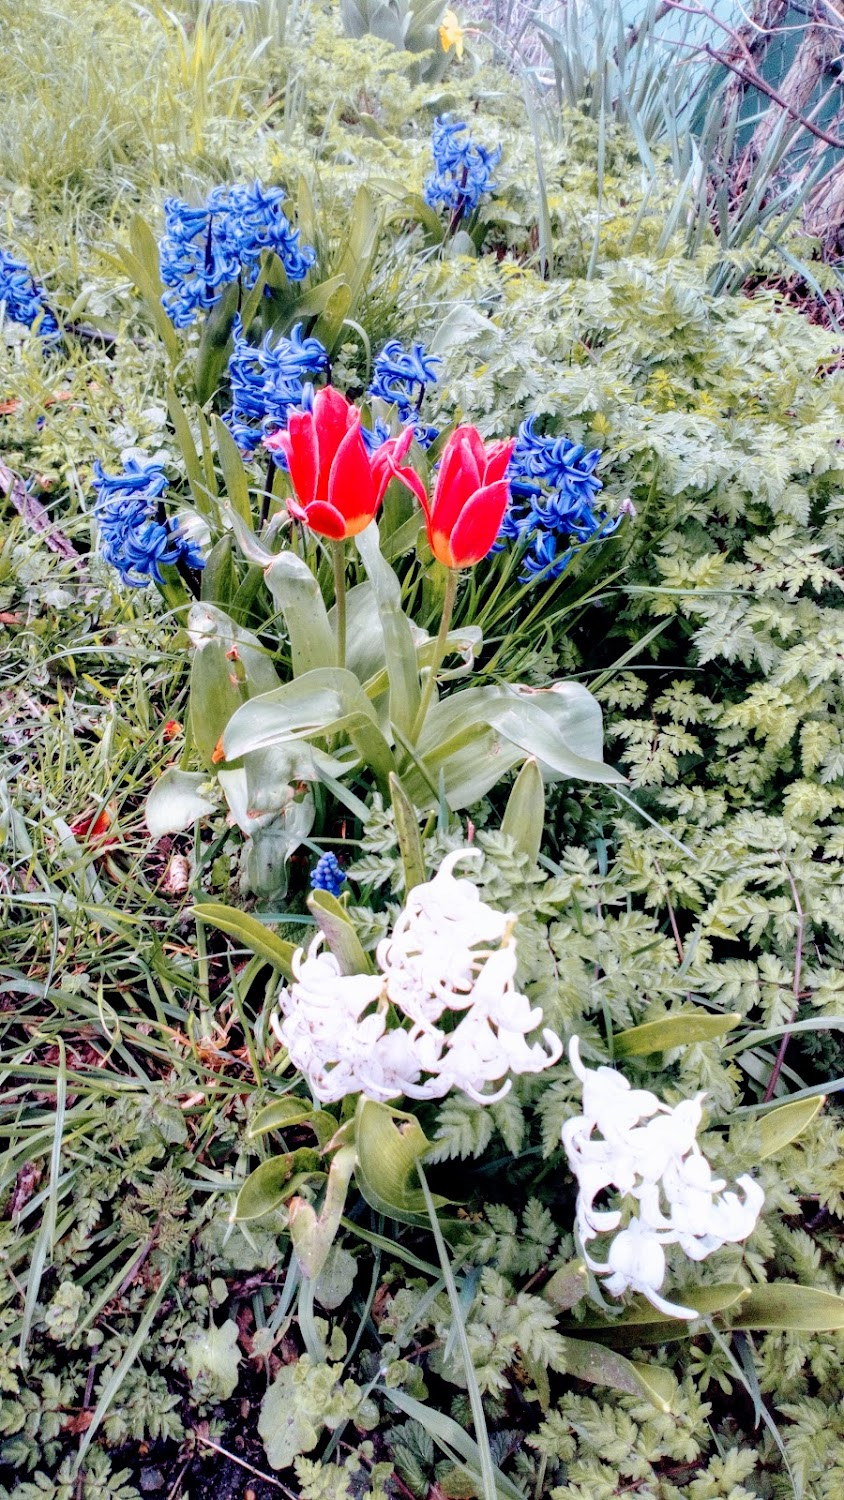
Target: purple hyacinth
x=135 y=536
x=206 y=249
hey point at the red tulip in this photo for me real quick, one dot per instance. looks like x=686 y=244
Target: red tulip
x=338 y=485
x=470 y=498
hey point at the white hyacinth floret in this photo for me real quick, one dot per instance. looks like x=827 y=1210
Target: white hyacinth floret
x=396 y=1032
x=626 y=1139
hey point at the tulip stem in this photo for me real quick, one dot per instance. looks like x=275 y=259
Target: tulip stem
x=339 y=554
x=439 y=653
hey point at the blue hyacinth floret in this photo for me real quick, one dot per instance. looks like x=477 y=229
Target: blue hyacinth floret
x=135 y=536
x=462 y=168
x=23 y=299
x=400 y=377
x=267 y=383
x=206 y=249
x=327 y=875
x=553 y=487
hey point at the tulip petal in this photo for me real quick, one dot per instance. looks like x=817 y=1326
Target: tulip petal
x=386 y=466
x=497 y=458
x=299 y=444
x=459 y=477
x=333 y=416
x=479 y=524
x=351 y=488
x=326 y=521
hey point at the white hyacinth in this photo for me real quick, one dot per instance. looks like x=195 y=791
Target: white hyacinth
x=627 y=1139
x=448 y=953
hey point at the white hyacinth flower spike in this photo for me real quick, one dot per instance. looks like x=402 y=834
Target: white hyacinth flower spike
x=443 y=1012
x=628 y=1141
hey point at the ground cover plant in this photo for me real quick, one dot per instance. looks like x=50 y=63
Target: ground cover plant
x=421 y=876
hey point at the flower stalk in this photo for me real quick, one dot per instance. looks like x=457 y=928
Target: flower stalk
x=338 y=553
x=452 y=577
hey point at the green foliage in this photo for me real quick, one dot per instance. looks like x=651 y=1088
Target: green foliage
x=137 y=1050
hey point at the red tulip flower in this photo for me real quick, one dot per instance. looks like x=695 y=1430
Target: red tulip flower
x=470 y=498
x=338 y=485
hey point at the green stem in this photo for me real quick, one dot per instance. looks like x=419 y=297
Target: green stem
x=339 y=554
x=439 y=652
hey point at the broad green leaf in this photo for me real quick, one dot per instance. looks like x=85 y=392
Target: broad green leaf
x=317 y=297
x=640 y=1323
x=336 y=1279
x=410 y=839
x=234 y=473
x=399 y=646
x=176 y=801
x=289 y=1110
x=220 y=583
x=567 y=1286
x=249 y=933
x=389 y=1144
x=333 y=920
x=214 y=341
x=286 y=1428
x=679 y=1030
x=312 y=641
x=314 y=1234
x=320 y=703
x=775 y=1130
x=273 y=1181
x=187 y=447
x=784 y=1304
x=229 y=667
x=212 y=1359
x=524 y=815
x=329 y=325
x=561 y=726
x=601 y=1366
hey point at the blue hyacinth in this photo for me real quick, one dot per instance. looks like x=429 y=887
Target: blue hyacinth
x=23 y=299
x=267 y=382
x=327 y=875
x=135 y=536
x=553 y=487
x=205 y=249
x=400 y=377
x=462 y=168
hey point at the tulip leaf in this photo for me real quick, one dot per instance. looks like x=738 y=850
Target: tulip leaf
x=678 y=1030
x=399 y=646
x=389 y=1144
x=785 y=1305
x=298 y=596
x=176 y=801
x=602 y=1366
x=561 y=727
x=320 y=703
x=332 y=919
x=249 y=933
x=410 y=841
x=229 y=667
x=524 y=815
x=273 y=1181
x=234 y=473
x=774 y=1131
x=314 y=1234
